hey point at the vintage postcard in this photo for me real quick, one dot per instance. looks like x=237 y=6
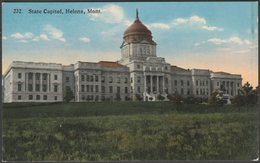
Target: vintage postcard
x=130 y=81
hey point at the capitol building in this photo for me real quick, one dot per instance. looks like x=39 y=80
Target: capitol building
x=139 y=75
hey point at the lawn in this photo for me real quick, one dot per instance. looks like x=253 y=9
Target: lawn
x=128 y=131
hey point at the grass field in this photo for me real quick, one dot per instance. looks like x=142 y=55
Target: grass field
x=129 y=131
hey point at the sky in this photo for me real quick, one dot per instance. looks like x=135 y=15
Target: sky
x=220 y=36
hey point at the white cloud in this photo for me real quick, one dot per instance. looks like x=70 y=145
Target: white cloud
x=85 y=39
x=159 y=26
x=27 y=35
x=43 y=37
x=192 y=19
x=110 y=14
x=54 y=33
x=212 y=28
x=197 y=21
x=4 y=38
x=231 y=40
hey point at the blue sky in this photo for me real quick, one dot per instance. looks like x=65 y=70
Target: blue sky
x=221 y=36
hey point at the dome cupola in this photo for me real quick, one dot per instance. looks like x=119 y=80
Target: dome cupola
x=137 y=32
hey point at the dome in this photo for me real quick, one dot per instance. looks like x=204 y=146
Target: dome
x=137 y=28
x=137 y=32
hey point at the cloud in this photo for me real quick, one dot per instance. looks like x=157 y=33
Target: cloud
x=159 y=26
x=192 y=19
x=26 y=35
x=231 y=40
x=85 y=39
x=199 y=22
x=54 y=33
x=4 y=38
x=212 y=28
x=109 y=14
x=43 y=37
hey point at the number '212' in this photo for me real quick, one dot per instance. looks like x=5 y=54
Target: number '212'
x=17 y=11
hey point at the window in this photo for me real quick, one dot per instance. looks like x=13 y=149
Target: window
x=55 y=98
x=37 y=76
x=166 y=68
x=231 y=84
x=207 y=83
x=166 y=80
x=228 y=84
x=91 y=88
x=188 y=83
x=82 y=88
x=182 y=91
x=97 y=88
x=181 y=82
x=19 y=97
x=197 y=91
x=110 y=89
x=44 y=76
x=188 y=92
x=83 y=98
x=19 y=75
x=175 y=82
x=44 y=88
x=126 y=80
x=197 y=82
x=110 y=79
x=30 y=87
x=30 y=97
x=96 y=78
x=217 y=83
x=38 y=97
x=138 y=66
x=87 y=88
x=118 y=90
x=237 y=84
x=138 y=89
x=118 y=80
x=126 y=90
x=138 y=79
x=203 y=83
x=37 y=87
x=91 y=78
x=87 y=77
x=102 y=79
x=30 y=76
x=82 y=78
x=55 y=77
x=67 y=79
x=19 y=87
x=44 y=97
x=131 y=80
x=103 y=89
x=55 y=88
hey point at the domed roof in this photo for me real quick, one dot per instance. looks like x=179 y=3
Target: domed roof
x=137 y=28
x=137 y=32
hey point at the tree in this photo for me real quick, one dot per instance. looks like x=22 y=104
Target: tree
x=247 y=95
x=69 y=95
x=216 y=98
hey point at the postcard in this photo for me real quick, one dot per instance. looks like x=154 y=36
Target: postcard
x=130 y=81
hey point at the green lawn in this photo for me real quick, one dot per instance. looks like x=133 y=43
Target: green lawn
x=129 y=131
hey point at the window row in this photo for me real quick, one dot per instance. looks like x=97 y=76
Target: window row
x=37 y=76
x=202 y=83
x=37 y=87
x=182 y=82
x=227 y=84
x=37 y=97
x=202 y=91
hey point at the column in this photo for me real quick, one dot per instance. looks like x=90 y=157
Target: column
x=163 y=84
x=41 y=82
x=25 y=82
x=157 y=84
x=144 y=94
x=33 y=82
x=151 y=77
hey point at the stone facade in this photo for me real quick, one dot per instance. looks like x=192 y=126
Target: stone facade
x=139 y=74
